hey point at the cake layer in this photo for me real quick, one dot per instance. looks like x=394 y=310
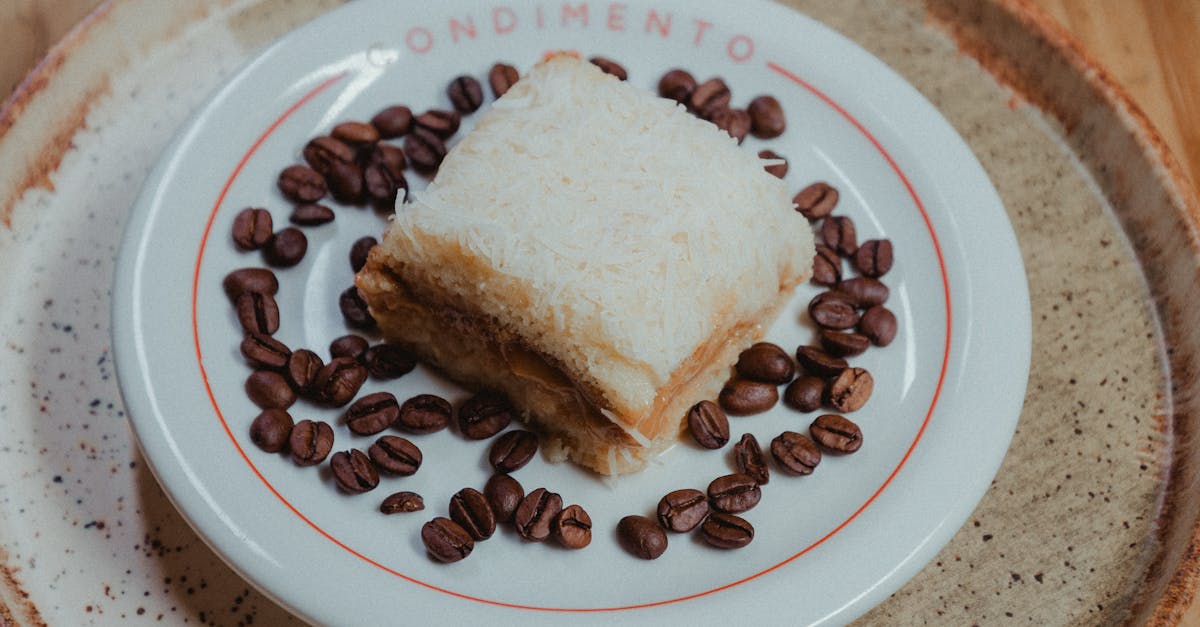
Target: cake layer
x=614 y=238
x=605 y=226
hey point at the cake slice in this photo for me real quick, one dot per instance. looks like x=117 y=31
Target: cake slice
x=596 y=253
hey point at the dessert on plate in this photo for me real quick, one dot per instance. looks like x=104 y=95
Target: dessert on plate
x=596 y=253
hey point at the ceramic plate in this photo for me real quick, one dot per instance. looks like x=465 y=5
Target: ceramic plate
x=827 y=547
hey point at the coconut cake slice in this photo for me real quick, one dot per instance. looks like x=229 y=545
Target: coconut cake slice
x=596 y=253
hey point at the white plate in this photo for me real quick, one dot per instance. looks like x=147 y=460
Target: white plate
x=827 y=547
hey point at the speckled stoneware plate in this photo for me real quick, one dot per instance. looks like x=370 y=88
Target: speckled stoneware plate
x=827 y=546
x=1089 y=519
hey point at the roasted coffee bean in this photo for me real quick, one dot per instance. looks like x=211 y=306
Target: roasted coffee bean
x=819 y=363
x=440 y=122
x=831 y=295
x=446 y=541
x=465 y=94
x=504 y=494
x=252 y=228
x=269 y=390
x=359 y=251
x=310 y=214
x=353 y=471
x=321 y=153
x=310 y=442
x=864 y=292
x=345 y=182
x=285 y=248
x=301 y=184
x=795 y=452
x=641 y=537
x=765 y=362
x=767 y=117
x=874 y=257
x=424 y=150
x=841 y=344
x=838 y=233
x=395 y=455
x=851 y=389
x=257 y=313
x=832 y=310
x=677 y=85
x=708 y=424
x=424 y=413
x=608 y=66
x=501 y=77
x=827 y=266
x=271 y=430
x=734 y=493
x=879 y=325
x=572 y=528
x=736 y=122
x=470 y=509
x=244 y=280
x=372 y=413
x=352 y=346
x=836 y=433
x=383 y=187
x=390 y=158
x=402 y=503
x=355 y=310
x=484 y=415
x=383 y=176
x=338 y=381
x=393 y=121
x=682 y=510
x=355 y=134
x=816 y=201
x=264 y=351
x=301 y=370
x=388 y=361
x=778 y=170
x=805 y=393
x=513 y=450
x=749 y=460
x=535 y=514
x=709 y=98
x=742 y=397
x=726 y=531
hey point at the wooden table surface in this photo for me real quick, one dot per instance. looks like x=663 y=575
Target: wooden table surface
x=1152 y=47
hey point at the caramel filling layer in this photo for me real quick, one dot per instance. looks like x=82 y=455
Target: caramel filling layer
x=475 y=350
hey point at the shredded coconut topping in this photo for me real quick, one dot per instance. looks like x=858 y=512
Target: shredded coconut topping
x=619 y=230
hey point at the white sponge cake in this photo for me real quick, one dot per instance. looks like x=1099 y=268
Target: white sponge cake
x=597 y=253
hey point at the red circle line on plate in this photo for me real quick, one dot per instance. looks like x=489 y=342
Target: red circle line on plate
x=904 y=459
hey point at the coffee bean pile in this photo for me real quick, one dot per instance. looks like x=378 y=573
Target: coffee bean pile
x=474 y=516
x=281 y=376
x=713 y=514
x=361 y=164
x=850 y=316
x=711 y=100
